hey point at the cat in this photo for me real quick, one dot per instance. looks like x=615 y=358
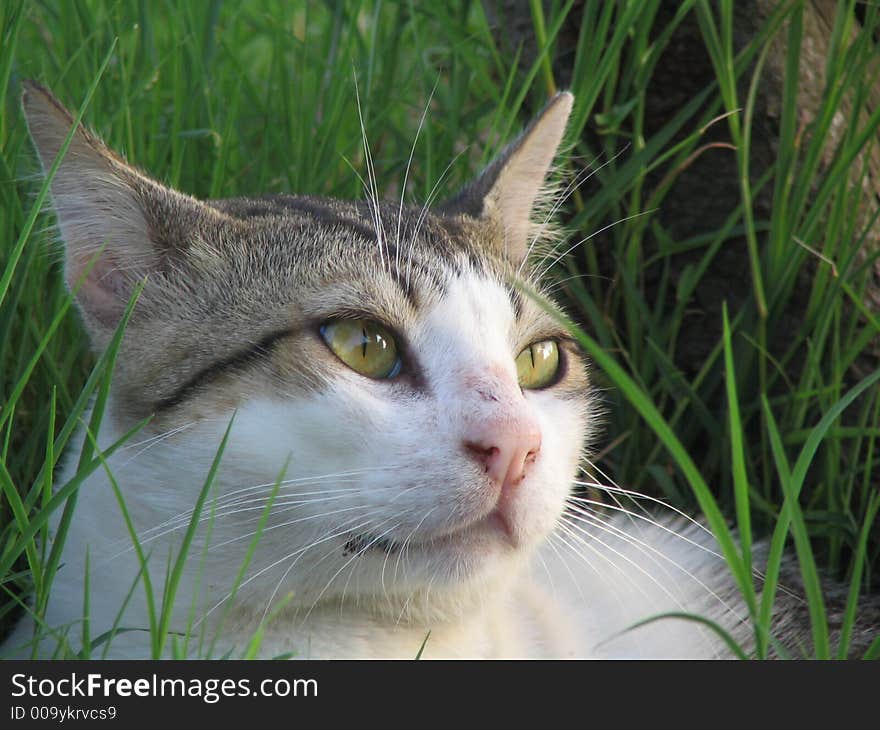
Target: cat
x=406 y=413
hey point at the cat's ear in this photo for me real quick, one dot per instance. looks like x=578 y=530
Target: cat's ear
x=507 y=191
x=107 y=213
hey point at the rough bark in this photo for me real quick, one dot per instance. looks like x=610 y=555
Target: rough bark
x=703 y=198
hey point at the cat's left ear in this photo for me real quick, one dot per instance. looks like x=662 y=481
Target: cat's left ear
x=507 y=191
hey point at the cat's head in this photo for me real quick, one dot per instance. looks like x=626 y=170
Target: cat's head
x=424 y=411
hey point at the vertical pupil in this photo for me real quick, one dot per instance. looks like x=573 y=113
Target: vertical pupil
x=364 y=346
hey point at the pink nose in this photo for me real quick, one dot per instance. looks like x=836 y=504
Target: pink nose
x=507 y=451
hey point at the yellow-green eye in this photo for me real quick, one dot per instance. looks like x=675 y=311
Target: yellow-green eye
x=366 y=347
x=538 y=365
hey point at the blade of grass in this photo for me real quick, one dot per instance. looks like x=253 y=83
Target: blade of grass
x=144 y=570
x=792 y=513
x=855 y=581
x=176 y=572
x=261 y=525
x=738 y=457
x=728 y=640
x=85 y=457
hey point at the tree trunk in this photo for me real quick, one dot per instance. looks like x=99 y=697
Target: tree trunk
x=703 y=197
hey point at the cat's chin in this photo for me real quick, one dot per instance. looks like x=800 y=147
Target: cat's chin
x=491 y=530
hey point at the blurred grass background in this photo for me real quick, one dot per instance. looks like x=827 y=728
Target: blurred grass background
x=743 y=172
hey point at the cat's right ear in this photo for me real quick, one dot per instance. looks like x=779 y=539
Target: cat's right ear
x=507 y=193
x=104 y=207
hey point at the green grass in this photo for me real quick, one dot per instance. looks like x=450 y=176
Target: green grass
x=773 y=430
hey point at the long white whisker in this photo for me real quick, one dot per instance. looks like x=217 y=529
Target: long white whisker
x=649 y=520
x=224 y=499
x=296 y=560
x=555 y=536
x=148 y=442
x=645 y=547
x=567 y=528
x=640 y=496
x=214 y=515
x=569 y=190
x=406 y=173
x=287 y=523
x=373 y=192
x=567 y=251
x=564 y=528
x=406 y=543
x=298 y=552
x=348 y=562
x=423 y=213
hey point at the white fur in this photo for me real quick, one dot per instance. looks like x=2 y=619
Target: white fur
x=392 y=464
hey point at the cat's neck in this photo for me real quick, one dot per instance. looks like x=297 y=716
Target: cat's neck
x=513 y=623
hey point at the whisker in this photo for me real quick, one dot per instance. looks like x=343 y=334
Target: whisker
x=566 y=193
x=214 y=516
x=407 y=541
x=297 y=521
x=577 y=536
x=563 y=528
x=223 y=499
x=554 y=536
x=361 y=551
x=406 y=172
x=648 y=519
x=567 y=251
x=639 y=496
x=373 y=192
x=643 y=547
x=423 y=213
x=148 y=442
x=298 y=552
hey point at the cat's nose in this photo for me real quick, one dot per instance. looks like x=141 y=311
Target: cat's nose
x=506 y=450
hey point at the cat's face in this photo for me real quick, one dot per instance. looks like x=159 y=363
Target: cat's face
x=442 y=471
x=409 y=412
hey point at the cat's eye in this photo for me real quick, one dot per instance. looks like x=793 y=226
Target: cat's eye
x=366 y=347
x=538 y=365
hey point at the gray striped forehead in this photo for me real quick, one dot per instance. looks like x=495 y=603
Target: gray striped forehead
x=268 y=269
x=321 y=242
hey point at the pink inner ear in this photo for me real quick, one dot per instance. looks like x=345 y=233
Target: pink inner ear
x=104 y=292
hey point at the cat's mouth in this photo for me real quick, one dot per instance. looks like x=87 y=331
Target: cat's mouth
x=491 y=526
